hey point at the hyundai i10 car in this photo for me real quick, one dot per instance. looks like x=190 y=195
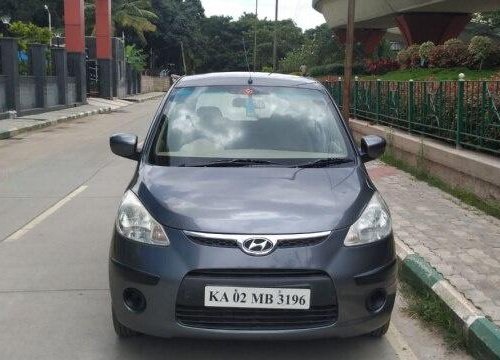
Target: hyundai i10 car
x=251 y=216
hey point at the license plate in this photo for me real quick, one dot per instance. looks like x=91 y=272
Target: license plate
x=257 y=298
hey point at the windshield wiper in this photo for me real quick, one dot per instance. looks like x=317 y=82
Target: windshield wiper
x=325 y=163
x=235 y=163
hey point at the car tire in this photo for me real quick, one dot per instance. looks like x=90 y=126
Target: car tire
x=381 y=331
x=121 y=330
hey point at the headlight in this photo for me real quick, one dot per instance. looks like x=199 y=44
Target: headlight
x=135 y=223
x=373 y=225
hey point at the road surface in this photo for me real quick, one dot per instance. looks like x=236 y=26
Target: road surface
x=59 y=192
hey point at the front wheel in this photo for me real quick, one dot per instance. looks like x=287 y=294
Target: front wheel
x=121 y=330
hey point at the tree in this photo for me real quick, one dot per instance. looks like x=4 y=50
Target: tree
x=135 y=57
x=29 y=33
x=224 y=44
x=490 y=18
x=33 y=11
x=178 y=21
x=134 y=15
x=480 y=48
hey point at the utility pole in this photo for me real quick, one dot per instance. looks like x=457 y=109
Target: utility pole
x=349 y=58
x=183 y=58
x=255 y=36
x=275 y=46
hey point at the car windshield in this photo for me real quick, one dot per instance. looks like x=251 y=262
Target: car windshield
x=276 y=125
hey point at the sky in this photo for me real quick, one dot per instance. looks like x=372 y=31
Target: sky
x=300 y=11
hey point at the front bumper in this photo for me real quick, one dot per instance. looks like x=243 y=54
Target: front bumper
x=159 y=272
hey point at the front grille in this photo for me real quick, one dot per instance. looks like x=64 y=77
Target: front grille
x=302 y=242
x=256 y=319
x=229 y=243
x=255 y=273
x=190 y=300
x=214 y=242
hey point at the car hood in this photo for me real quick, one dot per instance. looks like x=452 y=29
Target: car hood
x=254 y=200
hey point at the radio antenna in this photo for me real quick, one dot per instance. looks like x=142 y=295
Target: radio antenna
x=250 y=80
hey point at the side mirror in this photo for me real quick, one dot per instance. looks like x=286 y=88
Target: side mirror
x=372 y=147
x=125 y=145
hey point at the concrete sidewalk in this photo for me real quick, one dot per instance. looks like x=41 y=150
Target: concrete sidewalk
x=460 y=242
x=13 y=127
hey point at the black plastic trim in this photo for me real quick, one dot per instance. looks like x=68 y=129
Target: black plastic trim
x=135 y=275
x=378 y=275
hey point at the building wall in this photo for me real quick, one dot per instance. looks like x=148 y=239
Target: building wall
x=27 y=92
x=154 y=84
x=72 y=90
x=51 y=91
x=3 y=100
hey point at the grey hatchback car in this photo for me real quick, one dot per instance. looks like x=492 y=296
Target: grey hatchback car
x=251 y=216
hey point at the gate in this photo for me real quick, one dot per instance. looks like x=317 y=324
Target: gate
x=92 y=78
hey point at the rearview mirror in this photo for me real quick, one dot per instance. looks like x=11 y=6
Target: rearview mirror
x=372 y=147
x=244 y=102
x=125 y=145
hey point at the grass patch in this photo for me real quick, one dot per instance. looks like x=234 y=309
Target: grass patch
x=425 y=305
x=436 y=73
x=490 y=207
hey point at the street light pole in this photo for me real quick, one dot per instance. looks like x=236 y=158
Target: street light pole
x=255 y=36
x=183 y=58
x=50 y=23
x=275 y=46
x=6 y=22
x=349 y=58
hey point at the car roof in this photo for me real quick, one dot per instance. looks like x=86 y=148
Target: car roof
x=242 y=78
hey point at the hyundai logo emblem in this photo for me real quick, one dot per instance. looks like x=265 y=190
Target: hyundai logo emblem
x=258 y=246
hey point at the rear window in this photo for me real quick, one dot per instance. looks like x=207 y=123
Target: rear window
x=248 y=122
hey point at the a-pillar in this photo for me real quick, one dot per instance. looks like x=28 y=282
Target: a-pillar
x=369 y=39
x=103 y=47
x=74 y=27
x=418 y=28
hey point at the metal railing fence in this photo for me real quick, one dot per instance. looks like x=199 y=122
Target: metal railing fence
x=466 y=113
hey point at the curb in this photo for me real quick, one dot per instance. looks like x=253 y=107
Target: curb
x=481 y=334
x=46 y=123
x=137 y=100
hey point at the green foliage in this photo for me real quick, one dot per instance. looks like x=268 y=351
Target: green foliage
x=178 y=21
x=29 y=33
x=33 y=11
x=410 y=57
x=303 y=55
x=428 y=307
x=317 y=49
x=293 y=61
x=436 y=74
x=426 y=50
x=135 y=57
x=453 y=53
x=335 y=69
x=491 y=18
x=135 y=15
x=267 y=69
x=480 y=48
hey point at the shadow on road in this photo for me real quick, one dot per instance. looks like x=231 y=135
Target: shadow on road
x=155 y=348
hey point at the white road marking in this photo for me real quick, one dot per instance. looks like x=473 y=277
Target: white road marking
x=29 y=226
x=398 y=343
